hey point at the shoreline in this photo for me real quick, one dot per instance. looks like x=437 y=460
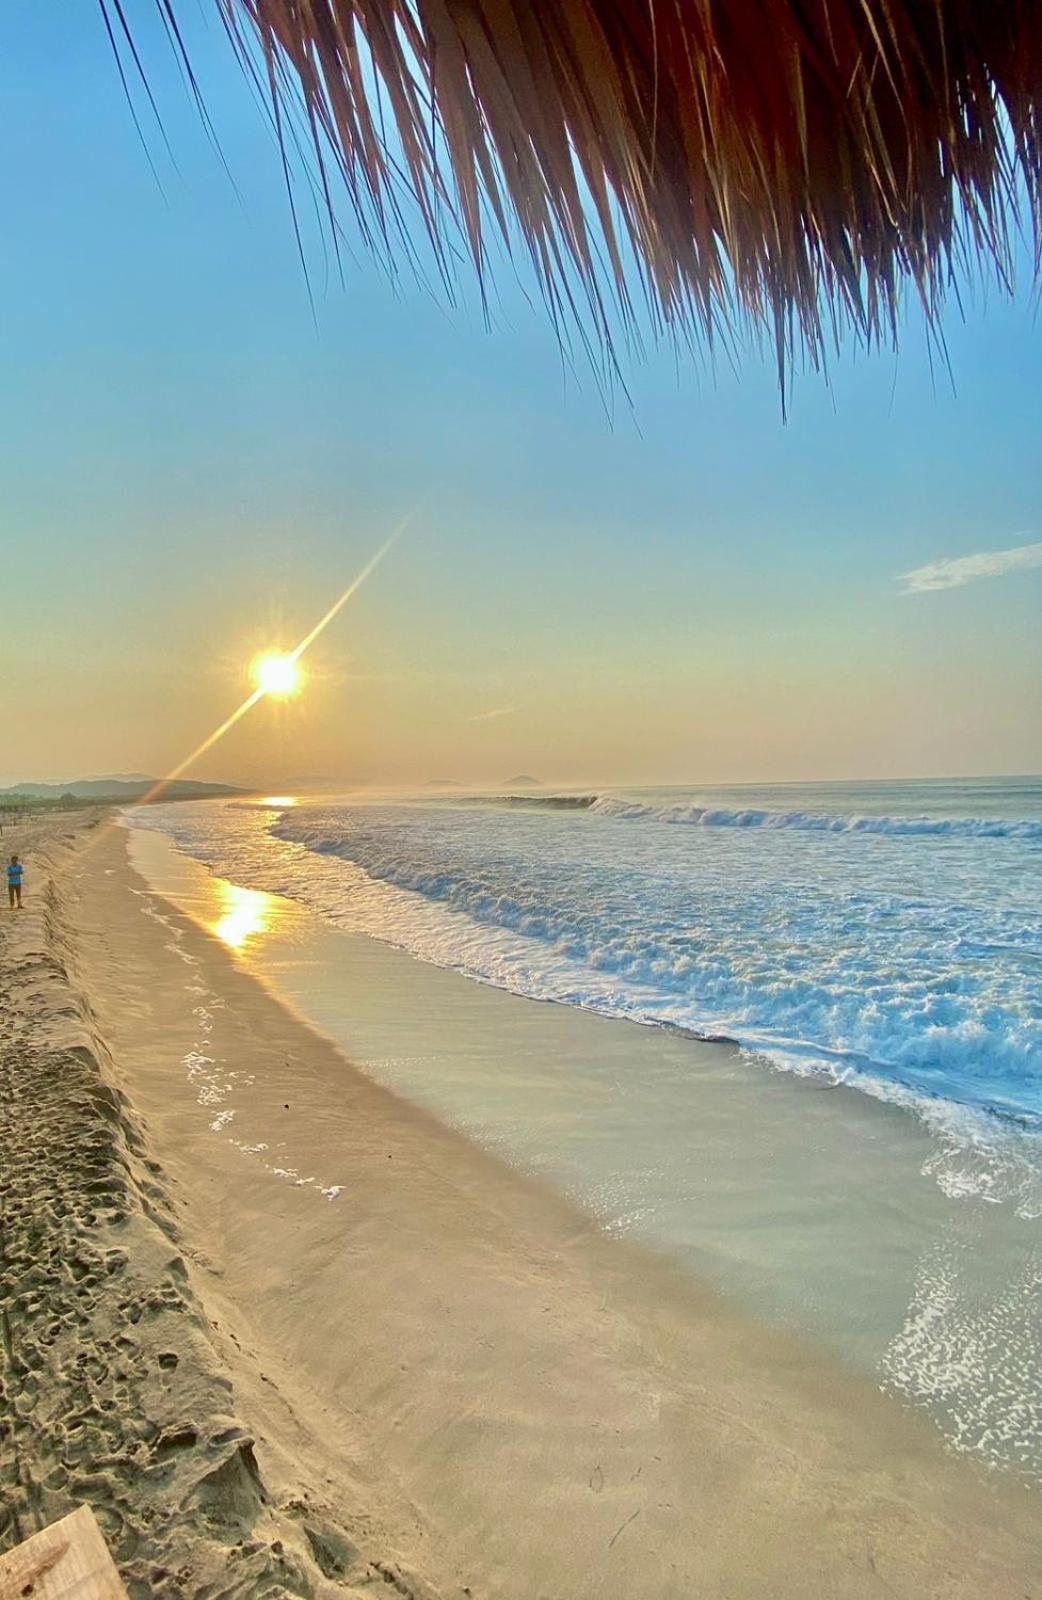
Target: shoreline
x=117 y=1388
x=464 y=1351
x=433 y=926
x=810 y=1207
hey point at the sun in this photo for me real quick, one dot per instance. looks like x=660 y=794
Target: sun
x=276 y=674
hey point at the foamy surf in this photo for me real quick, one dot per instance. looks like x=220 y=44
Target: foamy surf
x=691 y=814
x=828 y=1212
x=922 y=827
x=885 y=938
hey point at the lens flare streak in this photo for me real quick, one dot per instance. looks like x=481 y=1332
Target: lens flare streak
x=286 y=668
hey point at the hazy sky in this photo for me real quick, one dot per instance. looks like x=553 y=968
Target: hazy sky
x=192 y=467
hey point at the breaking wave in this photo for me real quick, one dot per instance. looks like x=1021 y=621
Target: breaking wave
x=909 y=972
x=701 y=816
x=885 y=986
x=541 y=802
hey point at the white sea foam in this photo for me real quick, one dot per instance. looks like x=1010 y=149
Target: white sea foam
x=922 y=827
x=696 y=814
x=889 y=945
x=898 y=959
x=968 y=1353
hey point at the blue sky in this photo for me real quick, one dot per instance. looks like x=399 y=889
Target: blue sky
x=691 y=590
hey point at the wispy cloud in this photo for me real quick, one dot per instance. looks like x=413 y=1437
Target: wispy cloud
x=488 y=716
x=951 y=572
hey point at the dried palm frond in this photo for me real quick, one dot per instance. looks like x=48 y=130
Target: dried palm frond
x=793 y=163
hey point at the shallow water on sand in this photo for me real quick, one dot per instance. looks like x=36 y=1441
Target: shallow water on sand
x=888 y=936
x=904 y=1246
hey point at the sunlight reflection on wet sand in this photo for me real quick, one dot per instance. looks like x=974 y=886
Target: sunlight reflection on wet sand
x=244 y=915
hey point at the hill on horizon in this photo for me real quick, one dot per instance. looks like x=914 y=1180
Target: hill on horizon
x=523 y=780
x=130 y=787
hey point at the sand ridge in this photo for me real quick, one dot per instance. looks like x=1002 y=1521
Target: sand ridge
x=113 y=1390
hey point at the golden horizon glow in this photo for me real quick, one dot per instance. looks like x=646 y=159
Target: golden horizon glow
x=277 y=674
x=293 y=657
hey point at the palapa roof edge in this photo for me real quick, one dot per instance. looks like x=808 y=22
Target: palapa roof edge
x=796 y=165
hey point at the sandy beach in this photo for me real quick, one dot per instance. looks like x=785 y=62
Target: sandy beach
x=520 y=1022
x=389 y=1363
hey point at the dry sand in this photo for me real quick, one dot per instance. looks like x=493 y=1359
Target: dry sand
x=441 y=1381
x=115 y=1389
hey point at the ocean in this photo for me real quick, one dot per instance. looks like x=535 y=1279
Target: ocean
x=886 y=935
x=880 y=938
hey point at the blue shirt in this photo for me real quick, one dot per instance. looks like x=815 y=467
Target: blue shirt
x=14 y=871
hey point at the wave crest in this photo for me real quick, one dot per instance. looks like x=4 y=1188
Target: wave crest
x=698 y=816
x=542 y=802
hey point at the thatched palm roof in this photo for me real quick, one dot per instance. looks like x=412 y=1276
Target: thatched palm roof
x=794 y=162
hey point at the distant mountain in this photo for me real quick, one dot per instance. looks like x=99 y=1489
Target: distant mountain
x=523 y=781
x=125 y=788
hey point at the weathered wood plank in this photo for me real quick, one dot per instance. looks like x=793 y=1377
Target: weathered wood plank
x=67 y=1561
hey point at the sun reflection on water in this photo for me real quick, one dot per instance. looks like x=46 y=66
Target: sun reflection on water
x=245 y=914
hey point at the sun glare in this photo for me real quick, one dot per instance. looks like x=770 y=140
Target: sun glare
x=278 y=675
x=245 y=914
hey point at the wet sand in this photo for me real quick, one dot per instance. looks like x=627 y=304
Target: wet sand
x=443 y=1370
x=116 y=1387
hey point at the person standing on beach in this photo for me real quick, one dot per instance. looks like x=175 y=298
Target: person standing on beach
x=14 y=882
